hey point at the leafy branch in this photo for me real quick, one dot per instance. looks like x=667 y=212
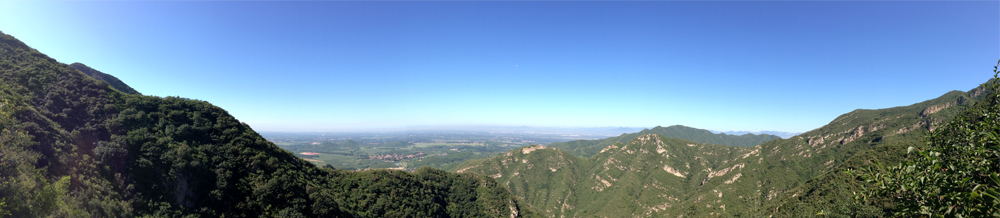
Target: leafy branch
x=956 y=176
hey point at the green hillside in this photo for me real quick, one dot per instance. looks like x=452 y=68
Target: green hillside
x=652 y=175
x=588 y=148
x=832 y=191
x=72 y=146
x=111 y=80
x=956 y=175
x=649 y=176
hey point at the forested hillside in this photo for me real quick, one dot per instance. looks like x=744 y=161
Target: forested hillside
x=832 y=191
x=75 y=142
x=650 y=176
x=653 y=175
x=954 y=175
x=588 y=148
x=111 y=80
x=73 y=146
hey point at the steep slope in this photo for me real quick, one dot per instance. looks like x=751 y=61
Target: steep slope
x=832 y=192
x=955 y=175
x=111 y=80
x=588 y=148
x=768 y=179
x=71 y=146
x=651 y=175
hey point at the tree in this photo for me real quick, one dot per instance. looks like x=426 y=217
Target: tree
x=955 y=175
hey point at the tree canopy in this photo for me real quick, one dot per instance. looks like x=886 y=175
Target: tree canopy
x=74 y=146
x=955 y=175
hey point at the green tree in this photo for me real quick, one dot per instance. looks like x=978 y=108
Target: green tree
x=954 y=176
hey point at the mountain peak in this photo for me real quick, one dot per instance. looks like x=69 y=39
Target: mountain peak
x=587 y=148
x=529 y=149
x=653 y=175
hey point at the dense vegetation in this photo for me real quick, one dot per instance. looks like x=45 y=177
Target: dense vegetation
x=588 y=148
x=885 y=136
x=797 y=177
x=73 y=146
x=111 y=80
x=955 y=175
x=650 y=176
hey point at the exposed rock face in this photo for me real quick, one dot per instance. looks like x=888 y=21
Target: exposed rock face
x=672 y=171
x=667 y=177
x=723 y=171
x=730 y=181
x=532 y=148
x=977 y=91
x=661 y=168
x=934 y=109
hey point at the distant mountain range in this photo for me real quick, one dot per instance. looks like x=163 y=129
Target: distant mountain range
x=650 y=175
x=603 y=131
x=784 y=135
x=75 y=142
x=606 y=131
x=587 y=148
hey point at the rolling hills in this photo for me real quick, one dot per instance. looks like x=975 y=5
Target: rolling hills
x=75 y=146
x=587 y=148
x=655 y=176
x=651 y=175
x=75 y=142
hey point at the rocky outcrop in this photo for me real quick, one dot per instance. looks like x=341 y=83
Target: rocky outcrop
x=935 y=108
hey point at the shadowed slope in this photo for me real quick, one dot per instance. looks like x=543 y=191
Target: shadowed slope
x=112 y=80
x=72 y=146
x=832 y=191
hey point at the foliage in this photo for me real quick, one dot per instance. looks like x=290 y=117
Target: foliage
x=879 y=135
x=73 y=146
x=111 y=80
x=954 y=176
x=626 y=180
x=44 y=117
x=795 y=177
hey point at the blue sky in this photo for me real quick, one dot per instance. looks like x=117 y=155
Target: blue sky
x=333 y=66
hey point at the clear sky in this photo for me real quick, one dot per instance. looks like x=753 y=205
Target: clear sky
x=349 y=65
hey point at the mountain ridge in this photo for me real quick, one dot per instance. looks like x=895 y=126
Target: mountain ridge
x=111 y=80
x=761 y=180
x=588 y=148
x=784 y=135
x=73 y=146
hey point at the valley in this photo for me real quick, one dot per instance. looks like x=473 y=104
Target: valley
x=74 y=145
x=409 y=150
x=446 y=149
x=79 y=142
x=649 y=175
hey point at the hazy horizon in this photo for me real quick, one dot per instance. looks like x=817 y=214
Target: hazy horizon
x=598 y=130
x=329 y=65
